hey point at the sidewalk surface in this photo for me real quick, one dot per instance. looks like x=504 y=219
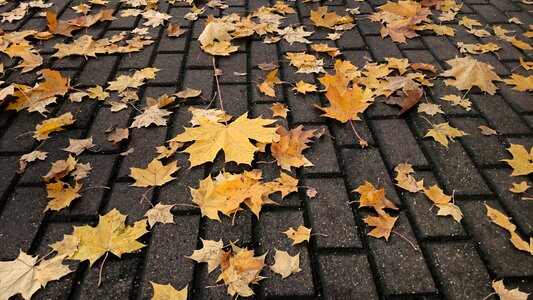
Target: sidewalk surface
x=452 y=260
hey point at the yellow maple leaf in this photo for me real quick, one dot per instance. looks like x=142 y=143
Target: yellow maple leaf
x=27 y=274
x=322 y=18
x=506 y=294
x=520 y=83
x=110 y=235
x=405 y=180
x=304 y=87
x=443 y=132
x=62 y=194
x=234 y=139
x=372 y=197
x=240 y=270
x=299 y=235
x=209 y=199
x=436 y=195
x=500 y=219
x=267 y=86
x=211 y=253
x=156 y=174
x=383 y=223
x=469 y=72
x=51 y=125
x=285 y=264
x=288 y=150
x=522 y=161
x=519 y=188
x=168 y=292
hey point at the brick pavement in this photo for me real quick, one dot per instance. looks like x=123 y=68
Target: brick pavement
x=455 y=261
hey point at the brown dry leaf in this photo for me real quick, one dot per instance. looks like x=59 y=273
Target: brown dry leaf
x=30 y=157
x=61 y=195
x=81 y=171
x=406 y=100
x=285 y=264
x=520 y=83
x=267 y=86
x=522 y=161
x=383 y=223
x=443 y=133
x=215 y=39
x=118 y=135
x=156 y=174
x=430 y=109
x=288 y=150
x=324 y=48
x=298 y=35
x=304 y=87
x=405 y=180
x=60 y=169
x=311 y=193
x=305 y=63
x=175 y=30
x=372 y=197
x=54 y=84
x=469 y=72
x=160 y=213
x=97 y=92
x=168 y=292
x=279 y=110
x=77 y=146
x=43 y=130
x=300 y=235
x=211 y=253
x=66 y=27
x=423 y=66
x=215 y=115
x=521 y=44
x=477 y=48
x=506 y=294
x=240 y=269
x=468 y=22
x=152 y=115
x=519 y=188
x=110 y=235
x=234 y=139
x=487 y=130
x=188 y=93
x=399 y=19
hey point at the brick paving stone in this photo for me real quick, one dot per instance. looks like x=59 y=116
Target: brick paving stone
x=381 y=48
x=451 y=258
x=499 y=114
x=21 y=216
x=169 y=65
x=129 y=201
x=485 y=150
x=354 y=268
x=7 y=172
x=494 y=241
x=143 y=141
x=402 y=270
x=117 y=279
x=331 y=214
x=315 y=154
x=396 y=152
x=229 y=229
x=345 y=136
x=103 y=66
x=164 y=261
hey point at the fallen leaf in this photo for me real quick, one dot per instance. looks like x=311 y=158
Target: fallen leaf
x=156 y=174
x=383 y=223
x=77 y=146
x=267 y=86
x=279 y=110
x=211 y=253
x=168 y=292
x=152 y=115
x=43 y=130
x=285 y=264
x=372 y=197
x=443 y=132
x=522 y=161
x=519 y=188
x=469 y=72
x=288 y=150
x=61 y=195
x=304 y=87
x=430 y=109
x=487 y=131
x=30 y=157
x=520 y=83
x=188 y=93
x=118 y=135
x=234 y=139
x=175 y=30
x=160 y=213
x=300 y=235
x=506 y=294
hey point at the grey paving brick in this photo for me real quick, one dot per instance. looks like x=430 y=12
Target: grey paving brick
x=359 y=284
x=501 y=117
x=21 y=216
x=331 y=214
x=170 y=66
x=453 y=258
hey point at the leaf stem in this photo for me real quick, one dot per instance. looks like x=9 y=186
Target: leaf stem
x=102 y=268
x=406 y=239
x=362 y=142
x=215 y=71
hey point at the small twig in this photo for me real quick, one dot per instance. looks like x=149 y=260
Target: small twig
x=362 y=142
x=488 y=296
x=94 y=187
x=145 y=197
x=186 y=205
x=102 y=268
x=318 y=234
x=214 y=286
x=406 y=239
x=266 y=162
x=218 y=90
